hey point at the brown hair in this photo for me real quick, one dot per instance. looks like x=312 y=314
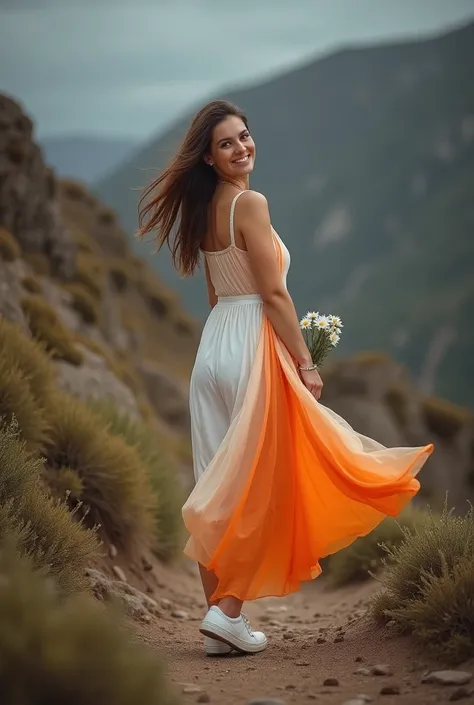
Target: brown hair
x=184 y=190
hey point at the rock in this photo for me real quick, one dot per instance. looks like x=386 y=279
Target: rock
x=302 y=663
x=331 y=682
x=119 y=573
x=390 y=690
x=204 y=698
x=113 y=553
x=191 y=689
x=362 y=671
x=358 y=659
x=147 y=566
x=167 y=396
x=288 y=635
x=165 y=603
x=320 y=640
x=448 y=677
x=265 y=701
x=29 y=207
x=460 y=694
x=179 y=614
x=11 y=293
x=135 y=603
x=338 y=639
x=94 y=379
x=381 y=670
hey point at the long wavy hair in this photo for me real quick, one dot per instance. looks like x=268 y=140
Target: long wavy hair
x=181 y=195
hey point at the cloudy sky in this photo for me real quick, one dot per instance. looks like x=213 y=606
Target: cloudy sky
x=129 y=67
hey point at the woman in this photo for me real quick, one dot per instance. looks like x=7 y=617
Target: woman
x=281 y=481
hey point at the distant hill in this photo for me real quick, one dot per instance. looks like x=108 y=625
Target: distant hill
x=85 y=158
x=367 y=158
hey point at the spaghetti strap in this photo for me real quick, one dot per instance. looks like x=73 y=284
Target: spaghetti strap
x=232 y=209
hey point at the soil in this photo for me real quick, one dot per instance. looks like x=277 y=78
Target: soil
x=295 y=666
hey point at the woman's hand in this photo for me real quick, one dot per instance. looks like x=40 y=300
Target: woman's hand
x=312 y=381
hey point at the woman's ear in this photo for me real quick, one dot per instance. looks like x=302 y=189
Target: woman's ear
x=209 y=161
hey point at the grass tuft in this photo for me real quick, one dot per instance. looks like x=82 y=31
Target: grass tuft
x=32 y=284
x=57 y=650
x=83 y=302
x=116 y=488
x=9 y=247
x=43 y=527
x=39 y=263
x=167 y=493
x=46 y=327
x=429 y=585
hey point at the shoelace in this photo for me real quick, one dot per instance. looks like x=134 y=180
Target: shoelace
x=247 y=623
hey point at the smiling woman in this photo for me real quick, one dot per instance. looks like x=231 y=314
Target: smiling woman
x=281 y=481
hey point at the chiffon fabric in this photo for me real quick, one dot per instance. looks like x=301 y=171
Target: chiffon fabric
x=281 y=480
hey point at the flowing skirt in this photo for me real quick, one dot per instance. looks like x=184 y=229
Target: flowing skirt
x=281 y=480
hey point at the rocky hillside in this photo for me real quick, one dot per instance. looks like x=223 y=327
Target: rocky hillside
x=68 y=277
x=367 y=158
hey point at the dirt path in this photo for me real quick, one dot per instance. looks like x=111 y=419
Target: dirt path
x=315 y=635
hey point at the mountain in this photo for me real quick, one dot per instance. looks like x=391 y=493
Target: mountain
x=85 y=158
x=367 y=159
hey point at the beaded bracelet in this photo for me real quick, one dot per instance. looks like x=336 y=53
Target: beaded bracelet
x=308 y=369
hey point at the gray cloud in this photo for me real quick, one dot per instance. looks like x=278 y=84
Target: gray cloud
x=128 y=66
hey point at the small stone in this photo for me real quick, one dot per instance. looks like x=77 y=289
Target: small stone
x=317 y=615
x=448 y=677
x=390 y=690
x=204 y=698
x=289 y=635
x=165 y=603
x=391 y=624
x=338 y=639
x=147 y=566
x=331 y=682
x=113 y=553
x=302 y=663
x=362 y=671
x=312 y=696
x=179 y=614
x=358 y=659
x=365 y=698
x=119 y=573
x=460 y=694
x=382 y=669
x=320 y=640
x=191 y=689
x=290 y=686
x=354 y=701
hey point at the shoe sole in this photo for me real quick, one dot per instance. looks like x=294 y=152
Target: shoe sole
x=215 y=632
x=217 y=651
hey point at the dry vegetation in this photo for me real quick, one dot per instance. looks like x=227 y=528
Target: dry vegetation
x=429 y=585
x=68 y=650
x=9 y=248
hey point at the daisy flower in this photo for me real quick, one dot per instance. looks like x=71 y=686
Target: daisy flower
x=305 y=322
x=334 y=338
x=322 y=322
x=312 y=315
x=335 y=321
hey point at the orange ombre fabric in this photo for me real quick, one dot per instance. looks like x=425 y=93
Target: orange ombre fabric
x=291 y=483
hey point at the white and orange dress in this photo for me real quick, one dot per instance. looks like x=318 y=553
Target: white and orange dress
x=281 y=480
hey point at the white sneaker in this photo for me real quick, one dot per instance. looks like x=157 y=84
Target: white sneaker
x=234 y=631
x=213 y=647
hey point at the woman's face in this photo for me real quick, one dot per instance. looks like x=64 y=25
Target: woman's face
x=232 y=149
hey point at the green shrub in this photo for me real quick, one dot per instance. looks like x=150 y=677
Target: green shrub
x=83 y=302
x=46 y=327
x=65 y=483
x=30 y=356
x=56 y=650
x=17 y=401
x=38 y=262
x=116 y=487
x=168 y=498
x=9 y=247
x=43 y=528
x=444 y=418
x=365 y=555
x=32 y=284
x=429 y=585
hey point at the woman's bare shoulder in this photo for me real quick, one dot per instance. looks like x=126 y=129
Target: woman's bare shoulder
x=253 y=202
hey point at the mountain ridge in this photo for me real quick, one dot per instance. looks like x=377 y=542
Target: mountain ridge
x=377 y=148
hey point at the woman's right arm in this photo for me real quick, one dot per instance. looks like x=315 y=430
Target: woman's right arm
x=253 y=221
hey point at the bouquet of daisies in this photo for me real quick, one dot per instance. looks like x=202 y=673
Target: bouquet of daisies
x=321 y=333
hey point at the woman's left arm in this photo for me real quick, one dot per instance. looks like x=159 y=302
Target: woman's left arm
x=211 y=292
